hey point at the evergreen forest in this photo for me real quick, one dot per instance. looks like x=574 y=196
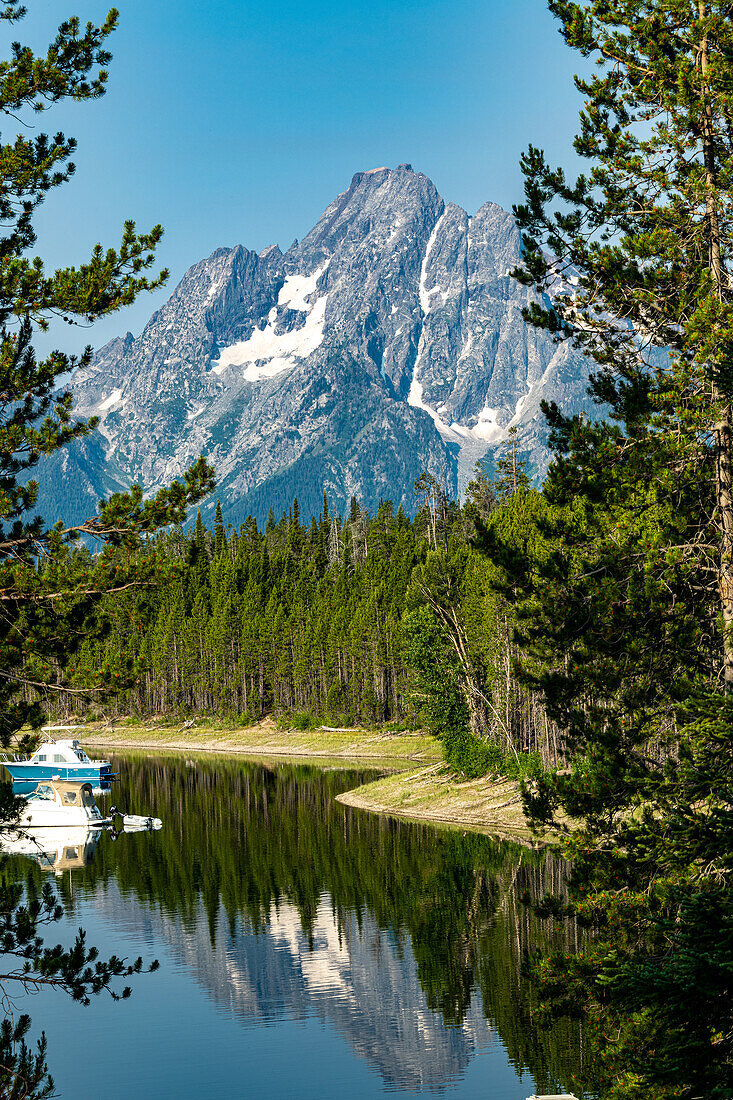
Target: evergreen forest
x=368 y=620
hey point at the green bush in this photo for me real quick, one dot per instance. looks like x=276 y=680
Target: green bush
x=302 y=720
x=474 y=758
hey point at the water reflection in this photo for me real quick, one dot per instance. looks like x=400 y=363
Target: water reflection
x=284 y=905
x=53 y=849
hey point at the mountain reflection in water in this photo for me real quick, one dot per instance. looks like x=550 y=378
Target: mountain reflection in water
x=349 y=974
x=284 y=905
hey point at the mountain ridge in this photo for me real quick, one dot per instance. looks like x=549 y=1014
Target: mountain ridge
x=387 y=341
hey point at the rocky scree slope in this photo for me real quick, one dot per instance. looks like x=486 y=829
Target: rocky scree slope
x=390 y=340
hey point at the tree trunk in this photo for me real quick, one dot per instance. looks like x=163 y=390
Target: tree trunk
x=723 y=426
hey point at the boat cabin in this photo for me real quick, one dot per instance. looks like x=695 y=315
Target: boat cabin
x=60 y=752
x=64 y=792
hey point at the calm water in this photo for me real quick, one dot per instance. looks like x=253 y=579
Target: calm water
x=304 y=948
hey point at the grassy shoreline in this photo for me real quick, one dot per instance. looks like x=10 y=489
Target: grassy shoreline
x=392 y=748
x=435 y=794
x=421 y=786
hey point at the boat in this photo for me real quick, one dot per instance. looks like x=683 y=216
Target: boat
x=136 y=823
x=60 y=803
x=63 y=759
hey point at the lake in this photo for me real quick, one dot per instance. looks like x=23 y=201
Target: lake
x=305 y=948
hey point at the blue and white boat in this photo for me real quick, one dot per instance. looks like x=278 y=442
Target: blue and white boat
x=60 y=760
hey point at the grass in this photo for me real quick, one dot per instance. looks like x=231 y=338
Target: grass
x=266 y=739
x=434 y=793
x=423 y=786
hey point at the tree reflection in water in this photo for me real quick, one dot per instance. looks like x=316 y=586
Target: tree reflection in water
x=265 y=849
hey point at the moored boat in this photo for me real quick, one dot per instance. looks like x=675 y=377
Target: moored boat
x=137 y=823
x=61 y=803
x=63 y=759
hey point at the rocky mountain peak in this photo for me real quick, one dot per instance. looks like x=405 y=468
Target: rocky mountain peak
x=388 y=340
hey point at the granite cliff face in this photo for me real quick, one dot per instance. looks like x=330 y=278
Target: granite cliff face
x=388 y=341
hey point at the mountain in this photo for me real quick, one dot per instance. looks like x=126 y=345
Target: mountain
x=388 y=341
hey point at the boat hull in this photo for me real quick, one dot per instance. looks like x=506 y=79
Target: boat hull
x=65 y=817
x=23 y=771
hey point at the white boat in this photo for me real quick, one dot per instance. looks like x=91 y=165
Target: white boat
x=136 y=823
x=61 y=803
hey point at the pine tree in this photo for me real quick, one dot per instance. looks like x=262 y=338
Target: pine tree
x=220 y=537
x=640 y=252
x=626 y=592
x=37 y=420
x=481 y=492
x=510 y=470
x=48 y=589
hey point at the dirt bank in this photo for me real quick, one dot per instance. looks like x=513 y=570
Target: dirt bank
x=422 y=786
x=435 y=794
x=390 y=748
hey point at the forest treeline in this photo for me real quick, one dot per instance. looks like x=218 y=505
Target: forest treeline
x=370 y=619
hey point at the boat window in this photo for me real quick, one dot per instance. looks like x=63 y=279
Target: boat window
x=81 y=755
x=58 y=759
x=86 y=795
x=44 y=791
x=71 y=853
x=41 y=757
x=70 y=798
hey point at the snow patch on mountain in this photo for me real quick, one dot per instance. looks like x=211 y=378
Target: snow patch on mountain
x=488 y=427
x=268 y=352
x=415 y=396
x=297 y=289
x=108 y=402
x=424 y=292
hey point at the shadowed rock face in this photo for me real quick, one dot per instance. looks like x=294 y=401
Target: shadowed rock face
x=390 y=340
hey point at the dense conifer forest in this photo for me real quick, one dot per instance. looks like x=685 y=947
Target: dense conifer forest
x=342 y=621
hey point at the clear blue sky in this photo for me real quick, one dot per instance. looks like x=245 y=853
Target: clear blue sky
x=235 y=122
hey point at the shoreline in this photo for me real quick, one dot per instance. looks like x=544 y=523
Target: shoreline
x=420 y=786
x=405 y=749
x=435 y=795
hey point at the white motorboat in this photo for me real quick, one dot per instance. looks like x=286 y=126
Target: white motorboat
x=61 y=803
x=136 y=823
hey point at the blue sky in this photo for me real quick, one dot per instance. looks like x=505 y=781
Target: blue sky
x=238 y=122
